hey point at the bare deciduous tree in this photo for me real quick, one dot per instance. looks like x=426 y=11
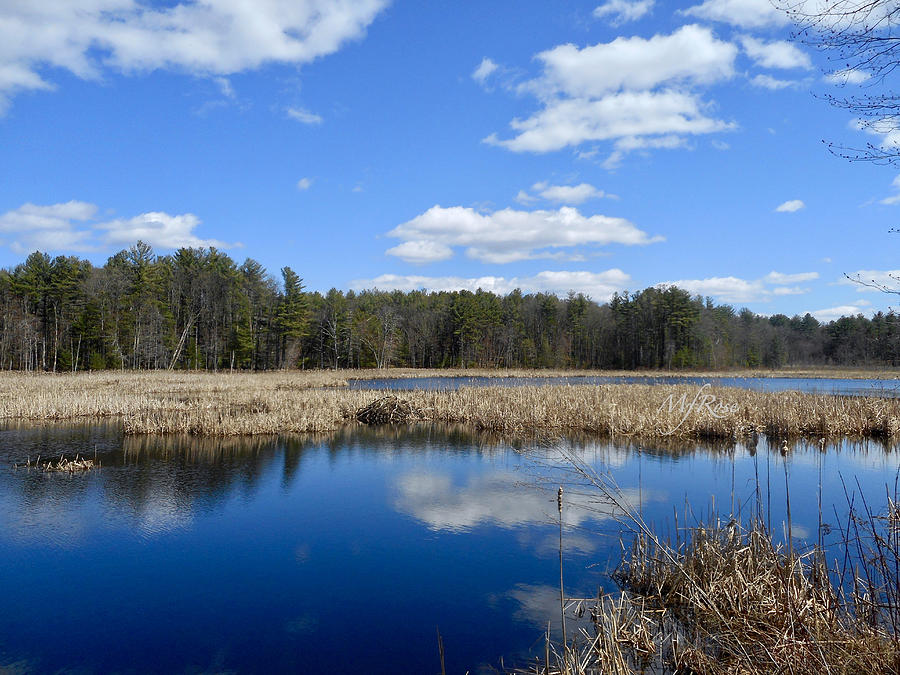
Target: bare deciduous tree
x=861 y=38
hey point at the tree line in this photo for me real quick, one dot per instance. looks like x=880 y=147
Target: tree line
x=197 y=309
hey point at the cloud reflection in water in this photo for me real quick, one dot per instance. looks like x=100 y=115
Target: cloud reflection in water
x=499 y=498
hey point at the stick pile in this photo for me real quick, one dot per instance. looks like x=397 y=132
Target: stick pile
x=387 y=410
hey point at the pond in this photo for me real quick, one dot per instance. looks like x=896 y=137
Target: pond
x=839 y=386
x=346 y=552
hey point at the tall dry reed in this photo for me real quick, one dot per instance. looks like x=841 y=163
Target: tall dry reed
x=270 y=403
x=728 y=599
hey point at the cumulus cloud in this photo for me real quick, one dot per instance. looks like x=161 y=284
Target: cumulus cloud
x=304 y=184
x=735 y=289
x=772 y=83
x=628 y=88
x=598 y=285
x=563 y=194
x=70 y=226
x=777 y=54
x=509 y=235
x=49 y=228
x=524 y=197
x=571 y=122
x=159 y=230
x=421 y=252
x=780 y=278
x=743 y=13
x=628 y=144
x=790 y=206
x=729 y=289
x=848 y=76
x=304 y=116
x=484 y=70
x=833 y=313
x=202 y=37
x=690 y=55
x=30 y=217
x=623 y=11
x=789 y=290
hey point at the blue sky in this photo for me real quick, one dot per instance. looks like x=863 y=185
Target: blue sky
x=592 y=146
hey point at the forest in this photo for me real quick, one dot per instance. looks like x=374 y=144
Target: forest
x=198 y=309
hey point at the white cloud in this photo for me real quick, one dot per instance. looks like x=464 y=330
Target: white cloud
x=158 y=229
x=728 y=289
x=735 y=289
x=885 y=127
x=790 y=206
x=563 y=194
x=848 y=76
x=421 y=252
x=628 y=144
x=867 y=281
x=484 y=70
x=628 y=88
x=772 y=83
x=48 y=228
x=894 y=198
x=789 y=290
x=571 y=122
x=61 y=241
x=780 y=278
x=690 y=55
x=569 y=194
x=833 y=313
x=69 y=227
x=721 y=145
x=31 y=217
x=623 y=11
x=208 y=37
x=598 y=285
x=743 y=13
x=510 y=235
x=524 y=198
x=777 y=54
x=304 y=116
x=224 y=85
x=304 y=184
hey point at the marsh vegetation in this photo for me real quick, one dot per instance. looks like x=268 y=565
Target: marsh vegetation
x=272 y=403
x=725 y=596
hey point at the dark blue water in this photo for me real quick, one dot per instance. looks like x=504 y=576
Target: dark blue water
x=343 y=553
x=839 y=386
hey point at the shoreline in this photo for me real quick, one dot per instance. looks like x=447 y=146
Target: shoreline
x=815 y=373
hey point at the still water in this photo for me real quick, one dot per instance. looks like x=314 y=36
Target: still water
x=346 y=552
x=838 y=386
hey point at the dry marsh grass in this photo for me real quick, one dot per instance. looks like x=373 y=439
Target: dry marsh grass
x=727 y=602
x=207 y=404
x=727 y=599
x=63 y=465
